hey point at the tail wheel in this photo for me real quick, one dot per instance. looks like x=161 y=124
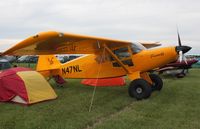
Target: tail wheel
x=140 y=89
x=157 y=82
x=180 y=75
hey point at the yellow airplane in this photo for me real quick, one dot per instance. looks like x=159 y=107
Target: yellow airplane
x=106 y=58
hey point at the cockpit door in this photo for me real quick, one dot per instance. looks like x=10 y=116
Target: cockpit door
x=124 y=55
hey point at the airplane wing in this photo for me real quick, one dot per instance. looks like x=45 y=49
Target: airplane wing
x=47 y=43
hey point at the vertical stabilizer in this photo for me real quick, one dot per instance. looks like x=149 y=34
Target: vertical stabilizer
x=47 y=62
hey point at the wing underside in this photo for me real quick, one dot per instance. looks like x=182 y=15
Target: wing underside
x=47 y=43
x=61 y=43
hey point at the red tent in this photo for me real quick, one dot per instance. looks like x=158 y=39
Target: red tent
x=119 y=81
x=11 y=85
x=23 y=85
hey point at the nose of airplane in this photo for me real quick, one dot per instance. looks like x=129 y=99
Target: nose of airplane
x=184 y=49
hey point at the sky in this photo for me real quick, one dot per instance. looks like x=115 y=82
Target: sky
x=132 y=20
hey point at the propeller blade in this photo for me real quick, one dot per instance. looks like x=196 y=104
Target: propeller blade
x=182 y=49
x=179 y=39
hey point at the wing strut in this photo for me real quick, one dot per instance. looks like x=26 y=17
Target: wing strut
x=116 y=58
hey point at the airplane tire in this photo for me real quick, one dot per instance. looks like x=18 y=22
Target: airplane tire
x=140 y=89
x=157 y=82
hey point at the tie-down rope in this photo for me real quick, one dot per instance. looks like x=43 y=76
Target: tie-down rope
x=94 y=91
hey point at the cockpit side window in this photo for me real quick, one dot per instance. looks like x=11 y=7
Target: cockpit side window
x=122 y=53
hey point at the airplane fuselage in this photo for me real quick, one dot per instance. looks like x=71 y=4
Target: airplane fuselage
x=88 y=66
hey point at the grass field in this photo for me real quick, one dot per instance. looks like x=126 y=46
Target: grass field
x=177 y=106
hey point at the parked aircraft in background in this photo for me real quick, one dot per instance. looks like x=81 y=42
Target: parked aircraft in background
x=178 y=69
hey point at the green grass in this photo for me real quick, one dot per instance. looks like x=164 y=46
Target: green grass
x=177 y=106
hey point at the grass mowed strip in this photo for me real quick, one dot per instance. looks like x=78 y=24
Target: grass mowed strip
x=176 y=106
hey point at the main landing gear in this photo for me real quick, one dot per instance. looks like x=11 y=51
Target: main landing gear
x=141 y=89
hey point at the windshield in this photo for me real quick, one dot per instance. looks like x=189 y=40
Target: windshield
x=137 y=47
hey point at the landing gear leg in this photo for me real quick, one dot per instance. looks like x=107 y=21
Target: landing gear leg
x=157 y=82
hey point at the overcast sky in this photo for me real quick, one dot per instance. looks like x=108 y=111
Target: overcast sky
x=134 y=20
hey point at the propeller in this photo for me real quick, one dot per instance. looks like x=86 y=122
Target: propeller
x=182 y=49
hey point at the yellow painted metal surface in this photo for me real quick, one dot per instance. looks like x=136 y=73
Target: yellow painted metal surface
x=98 y=64
x=52 y=42
x=89 y=66
x=61 y=43
x=146 y=77
x=149 y=59
x=49 y=62
x=134 y=75
x=85 y=67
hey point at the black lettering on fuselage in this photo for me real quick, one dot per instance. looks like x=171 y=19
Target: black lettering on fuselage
x=71 y=69
x=157 y=55
x=75 y=68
